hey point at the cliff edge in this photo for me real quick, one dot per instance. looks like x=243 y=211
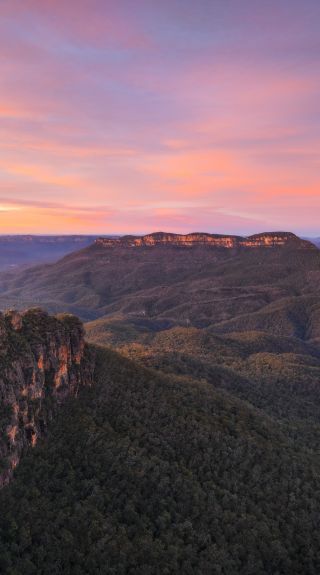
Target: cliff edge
x=264 y=240
x=43 y=360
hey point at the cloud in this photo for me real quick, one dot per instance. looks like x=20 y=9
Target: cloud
x=106 y=107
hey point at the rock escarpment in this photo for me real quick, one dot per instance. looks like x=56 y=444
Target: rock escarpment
x=43 y=360
x=266 y=240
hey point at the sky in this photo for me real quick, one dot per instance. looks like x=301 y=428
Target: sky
x=133 y=116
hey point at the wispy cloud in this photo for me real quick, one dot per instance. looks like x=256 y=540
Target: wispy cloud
x=171 y=114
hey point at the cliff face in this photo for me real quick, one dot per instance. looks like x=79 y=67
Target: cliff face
x=43 y=360
x=267 y=240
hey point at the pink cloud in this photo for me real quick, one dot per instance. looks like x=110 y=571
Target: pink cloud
x=115 y=105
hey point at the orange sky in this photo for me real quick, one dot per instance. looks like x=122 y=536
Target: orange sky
x=178 y=116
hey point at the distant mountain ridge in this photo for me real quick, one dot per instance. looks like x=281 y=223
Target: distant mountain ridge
x=315 y=241
x=170 y=282
x=266 y=239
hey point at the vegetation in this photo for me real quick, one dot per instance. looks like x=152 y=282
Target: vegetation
x=279 y=375
x=204 y=287
x=196 y=451
x=153 y=474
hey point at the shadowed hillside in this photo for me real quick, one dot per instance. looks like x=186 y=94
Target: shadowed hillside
x=277 y=374
x=155 y=474
x=168 y=285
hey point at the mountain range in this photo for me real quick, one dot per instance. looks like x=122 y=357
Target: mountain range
x=182 y=436
x=164 y=285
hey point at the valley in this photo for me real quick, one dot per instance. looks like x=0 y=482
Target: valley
x=18 y=251
x=158 y=444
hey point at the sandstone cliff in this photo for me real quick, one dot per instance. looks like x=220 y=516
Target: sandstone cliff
x=267 y=240
x=43 y=360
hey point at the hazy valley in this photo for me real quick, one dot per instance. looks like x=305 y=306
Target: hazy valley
x=23 y=251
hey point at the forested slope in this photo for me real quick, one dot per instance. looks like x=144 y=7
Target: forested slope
x=153 y=474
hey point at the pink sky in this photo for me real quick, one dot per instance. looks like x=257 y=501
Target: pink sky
x=183 y=116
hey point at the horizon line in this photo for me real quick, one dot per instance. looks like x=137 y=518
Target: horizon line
x=97 y=235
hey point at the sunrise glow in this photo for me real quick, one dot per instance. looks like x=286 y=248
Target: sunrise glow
x=125 y=116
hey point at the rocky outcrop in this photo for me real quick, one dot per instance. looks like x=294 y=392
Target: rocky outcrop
x=43 y=360
x=266 y=240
